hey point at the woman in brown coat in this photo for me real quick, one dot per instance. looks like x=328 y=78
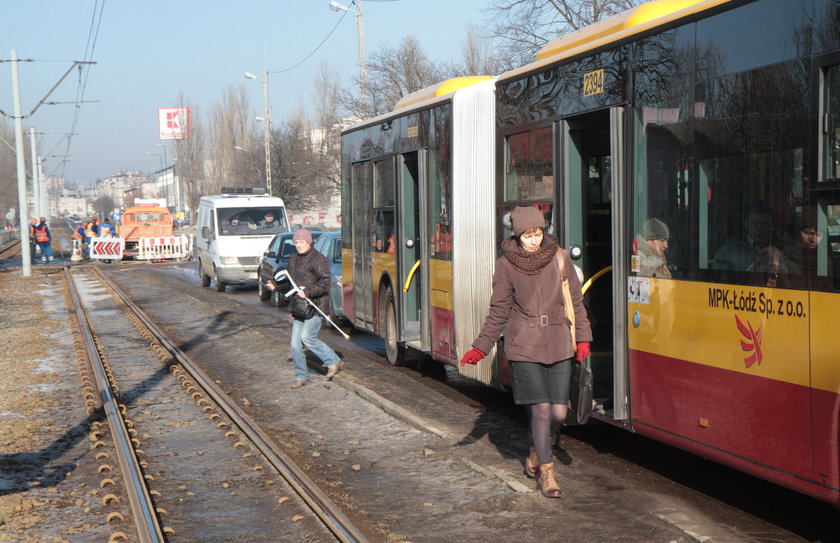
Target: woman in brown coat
x=527 y=304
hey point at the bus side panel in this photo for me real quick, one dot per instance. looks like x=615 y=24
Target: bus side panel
x=825 y=388
x=695 y=404
x=349 y=306
x=442 y=325
x=384 y=271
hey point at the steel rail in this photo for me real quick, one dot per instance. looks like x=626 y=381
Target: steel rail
x=142 y=507
x=332 y=517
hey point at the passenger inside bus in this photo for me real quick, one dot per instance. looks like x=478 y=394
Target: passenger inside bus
x=653 y=262
x=743 y=248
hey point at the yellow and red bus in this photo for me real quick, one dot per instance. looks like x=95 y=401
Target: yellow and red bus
x=720 y=119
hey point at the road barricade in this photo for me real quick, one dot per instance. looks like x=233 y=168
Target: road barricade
x=165 y=248
x=106 y=248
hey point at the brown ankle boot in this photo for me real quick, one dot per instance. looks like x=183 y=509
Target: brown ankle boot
x=546 y=483
x=532 y=463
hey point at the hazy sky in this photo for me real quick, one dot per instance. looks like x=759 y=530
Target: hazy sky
x=147 y=52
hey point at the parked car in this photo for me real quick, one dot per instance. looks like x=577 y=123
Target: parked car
x=329 y=245
x=280 y=250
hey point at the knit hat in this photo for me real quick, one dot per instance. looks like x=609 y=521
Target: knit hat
x=655 y=229
x=523 y=219
x=303 y=234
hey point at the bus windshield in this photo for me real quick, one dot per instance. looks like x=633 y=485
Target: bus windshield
x=252 y=221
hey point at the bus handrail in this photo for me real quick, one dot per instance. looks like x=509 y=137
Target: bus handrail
x=411 y=276
x=592 y=279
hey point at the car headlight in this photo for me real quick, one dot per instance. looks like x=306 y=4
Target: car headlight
x=229 y=260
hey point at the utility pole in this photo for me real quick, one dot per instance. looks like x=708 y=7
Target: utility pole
x=267 y=123
x=21 y=169
x=36 y=185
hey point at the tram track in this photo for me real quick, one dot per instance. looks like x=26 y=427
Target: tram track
x=180 y=451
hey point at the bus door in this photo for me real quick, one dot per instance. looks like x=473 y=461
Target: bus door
x=413 y=259
x=592 y=206
x=362 y=183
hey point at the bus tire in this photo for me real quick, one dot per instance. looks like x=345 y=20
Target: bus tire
x=264 y=293
x=394 y=352
x=205 y=279
x=220 y=286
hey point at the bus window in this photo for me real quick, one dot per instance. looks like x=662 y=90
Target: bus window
x=383 y=203
x=529 y=161
x=831 y=163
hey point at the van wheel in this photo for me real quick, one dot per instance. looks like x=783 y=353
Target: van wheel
x=220 y=287
x=264 y=293
x=205 y=279
x=278 y=299
x=394 y=352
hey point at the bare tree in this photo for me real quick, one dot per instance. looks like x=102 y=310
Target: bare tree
x=525 y=26
x=328 y=125
x=480 y=57
x=393 y=73
x=189 y=154
x=232 y=131
x=8 y=171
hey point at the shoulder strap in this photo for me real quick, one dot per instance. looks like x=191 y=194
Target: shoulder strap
x=561 y=261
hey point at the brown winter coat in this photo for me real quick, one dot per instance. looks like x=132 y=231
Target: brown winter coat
x=529 y=309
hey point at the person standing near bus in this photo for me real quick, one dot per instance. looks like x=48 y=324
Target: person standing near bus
x=527 y=304
x=310 y=271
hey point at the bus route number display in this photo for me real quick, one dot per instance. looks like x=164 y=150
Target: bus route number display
x=593 y=83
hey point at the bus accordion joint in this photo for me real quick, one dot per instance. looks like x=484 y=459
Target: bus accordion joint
x=411 y=276
x=595 y=277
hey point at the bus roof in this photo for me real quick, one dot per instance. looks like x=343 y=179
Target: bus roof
x=440 y=89
x=633 y=21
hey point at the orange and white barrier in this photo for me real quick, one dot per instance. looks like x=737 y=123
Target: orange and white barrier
x=165 y=248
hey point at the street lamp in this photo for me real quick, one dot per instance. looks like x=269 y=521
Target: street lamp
x=335 y=6
x=165 y=162
x=249 y=75
x=160 y=157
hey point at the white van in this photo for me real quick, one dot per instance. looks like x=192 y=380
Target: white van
x=233 y=231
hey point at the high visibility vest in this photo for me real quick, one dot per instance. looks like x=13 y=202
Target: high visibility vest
x=78 y=233
x=105 y=231
x=90 y=232
x=41 y=234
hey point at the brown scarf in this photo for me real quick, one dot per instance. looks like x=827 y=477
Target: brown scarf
x=532 y=263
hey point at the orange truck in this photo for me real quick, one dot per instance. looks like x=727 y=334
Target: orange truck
x=147 y=233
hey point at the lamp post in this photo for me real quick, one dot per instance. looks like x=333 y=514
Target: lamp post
x=164 y=153
x=161 y=176
x=267 y=121
x=335 y=6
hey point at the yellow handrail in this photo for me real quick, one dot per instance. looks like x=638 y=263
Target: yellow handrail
x=410 y=276
x=592 y=279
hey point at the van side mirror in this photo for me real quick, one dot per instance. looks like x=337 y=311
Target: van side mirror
x=205 y=232
x=271 y=254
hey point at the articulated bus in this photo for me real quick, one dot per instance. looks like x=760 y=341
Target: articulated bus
x=720 y=119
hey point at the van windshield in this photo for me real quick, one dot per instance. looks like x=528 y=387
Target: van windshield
x=252 y=221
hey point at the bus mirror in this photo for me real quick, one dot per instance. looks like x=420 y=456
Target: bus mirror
x=575 y=252
x=409 y=243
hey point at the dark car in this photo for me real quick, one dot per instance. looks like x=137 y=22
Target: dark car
x=277 y=256
x=329 y=245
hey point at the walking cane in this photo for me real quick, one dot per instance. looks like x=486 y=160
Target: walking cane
x=284 y=274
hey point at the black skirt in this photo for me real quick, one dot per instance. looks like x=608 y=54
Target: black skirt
x=539 y=383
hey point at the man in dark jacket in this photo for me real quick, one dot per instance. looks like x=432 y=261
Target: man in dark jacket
x=310 y=271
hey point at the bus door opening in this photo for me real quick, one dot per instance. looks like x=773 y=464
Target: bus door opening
x=412 y=259
x=590 y=223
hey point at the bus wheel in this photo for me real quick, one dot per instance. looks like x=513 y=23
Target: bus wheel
x=220 y=287
x=205 y=279
x=394 y=352
x=264 y=293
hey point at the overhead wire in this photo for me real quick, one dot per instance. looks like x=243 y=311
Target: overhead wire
x=307 y=57
x=84 y=73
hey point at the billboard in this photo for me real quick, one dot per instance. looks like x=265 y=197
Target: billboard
x=174 y=123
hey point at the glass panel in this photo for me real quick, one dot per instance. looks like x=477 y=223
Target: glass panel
x=383 y=191
x=751 y=130
x=383 y=232
x=831 y=163
x=251 y=221
x=529 y=162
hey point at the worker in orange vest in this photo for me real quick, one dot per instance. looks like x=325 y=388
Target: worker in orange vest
x=43 y=239
x=33 y=222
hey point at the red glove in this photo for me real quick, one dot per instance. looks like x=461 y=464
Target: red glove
x=472 y=357
x=582 y=350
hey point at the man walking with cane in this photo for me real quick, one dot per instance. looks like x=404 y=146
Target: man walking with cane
x=311 y=273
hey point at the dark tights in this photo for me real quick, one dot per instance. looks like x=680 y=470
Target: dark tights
x=546 y=418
